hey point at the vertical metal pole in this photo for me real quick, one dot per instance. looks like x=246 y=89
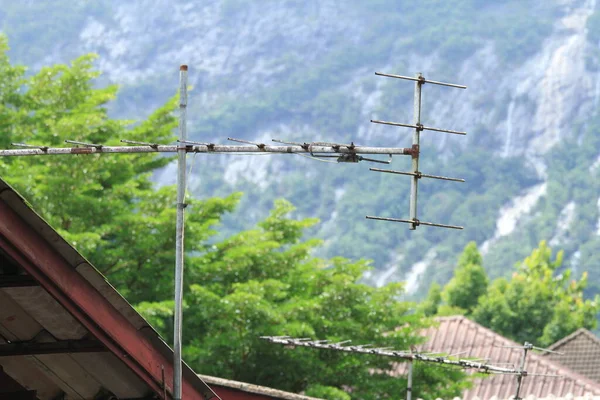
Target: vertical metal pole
x=409 y=385
x=526 y=347
x=179 y=235
x=415 y=158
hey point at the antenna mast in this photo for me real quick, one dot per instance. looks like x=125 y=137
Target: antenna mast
x=180 y=231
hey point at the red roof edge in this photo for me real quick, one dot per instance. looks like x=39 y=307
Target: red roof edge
x=30 y=246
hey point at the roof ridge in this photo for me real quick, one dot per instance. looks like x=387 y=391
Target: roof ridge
x=573 y=335
x=489 y=332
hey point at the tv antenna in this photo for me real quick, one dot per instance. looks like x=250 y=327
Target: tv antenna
x=337 y=152
x=527 y=347
x=414 y=172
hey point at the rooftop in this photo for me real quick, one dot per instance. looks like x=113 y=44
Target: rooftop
x=458 y=334
x=581 y=353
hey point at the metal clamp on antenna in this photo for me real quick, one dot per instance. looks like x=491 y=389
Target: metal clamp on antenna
x=97 y=146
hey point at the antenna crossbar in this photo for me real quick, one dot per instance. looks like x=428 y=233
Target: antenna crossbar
x=415 y=222
x=418 y=127
x=417 y=174
x=421 y=79
x=205 y=148
x=402 y=354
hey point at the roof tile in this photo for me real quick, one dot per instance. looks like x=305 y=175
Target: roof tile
x=581 y=352
x=458 y=334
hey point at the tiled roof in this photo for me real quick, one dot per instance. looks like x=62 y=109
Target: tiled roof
x=567 y=397
x=461 y=335
x=581 y=353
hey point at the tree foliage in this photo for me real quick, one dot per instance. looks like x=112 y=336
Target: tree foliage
x=104 y=205
x=469 y=282
x=540 y=303
x=262 y=281
x=265 y=282
x=430 y=306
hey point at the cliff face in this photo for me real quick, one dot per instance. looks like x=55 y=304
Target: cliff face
x=303 y=70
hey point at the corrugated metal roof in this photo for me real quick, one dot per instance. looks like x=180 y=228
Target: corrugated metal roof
x=30 y=317
x=458 y=334
x=581 y=353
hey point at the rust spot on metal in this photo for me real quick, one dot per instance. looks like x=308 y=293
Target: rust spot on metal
x=183 y=68
x=414 y=151
x=81 y=150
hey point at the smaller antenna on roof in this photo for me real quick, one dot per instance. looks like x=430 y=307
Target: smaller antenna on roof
x=523 y=373
x=409 y=355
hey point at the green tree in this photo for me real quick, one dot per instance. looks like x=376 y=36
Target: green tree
x=469 y=282
x=431 y=304
x=105 y=205
x=263 y=281
x=540 y=303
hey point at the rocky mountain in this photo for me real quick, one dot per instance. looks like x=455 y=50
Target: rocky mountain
x=303 y=71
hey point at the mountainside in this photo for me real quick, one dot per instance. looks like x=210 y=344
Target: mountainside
x=303 y=71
